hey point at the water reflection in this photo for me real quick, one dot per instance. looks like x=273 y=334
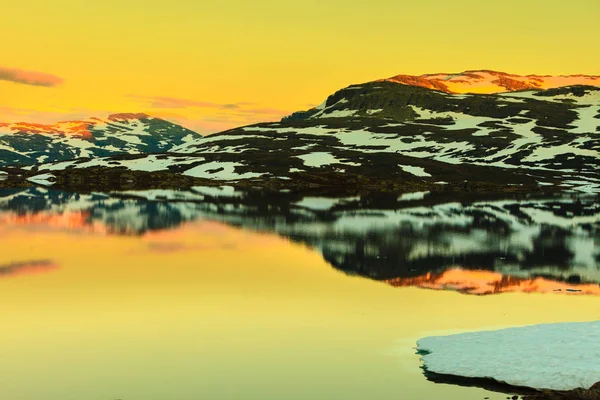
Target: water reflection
x=487 y=282
x=208 y=310
x=476 y=246
x=27 y=267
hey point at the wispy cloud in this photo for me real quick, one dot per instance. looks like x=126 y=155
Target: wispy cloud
x=33 y=78
x=175 y=102
x=15 y=114
x=207 y=116
x=200 y=116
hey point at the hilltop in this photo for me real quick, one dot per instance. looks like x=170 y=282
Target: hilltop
x=380 y=135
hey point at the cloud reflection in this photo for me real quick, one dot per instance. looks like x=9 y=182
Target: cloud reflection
x=27 y=267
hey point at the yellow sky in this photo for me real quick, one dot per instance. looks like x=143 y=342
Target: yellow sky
x=211 y=65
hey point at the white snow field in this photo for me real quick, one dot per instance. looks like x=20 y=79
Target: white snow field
x=559 y=356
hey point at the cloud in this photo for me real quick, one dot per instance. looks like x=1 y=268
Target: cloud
x=16 y=114
x=206 y=116
x=175 y=102
x=267 y=111
x=33 y=78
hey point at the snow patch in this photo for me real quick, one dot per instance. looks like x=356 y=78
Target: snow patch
x=560 y=356
x=321 y=158
x=417 y=171
x=220 y=171
x=339 y=113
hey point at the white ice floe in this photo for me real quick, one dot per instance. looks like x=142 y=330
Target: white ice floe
x=559 y=356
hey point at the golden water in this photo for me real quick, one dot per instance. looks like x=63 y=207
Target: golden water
x=207 y=311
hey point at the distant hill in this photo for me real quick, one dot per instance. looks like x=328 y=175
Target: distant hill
x=26 y=143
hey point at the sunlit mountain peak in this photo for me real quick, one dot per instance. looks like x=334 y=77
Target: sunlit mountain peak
x=488 y=81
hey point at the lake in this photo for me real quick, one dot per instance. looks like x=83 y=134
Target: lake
x=217 y=294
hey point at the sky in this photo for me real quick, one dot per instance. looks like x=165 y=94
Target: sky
x=213 y=65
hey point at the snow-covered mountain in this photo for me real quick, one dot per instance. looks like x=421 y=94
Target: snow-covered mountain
x=385 y=134
x=25 y=143
x=486 y=81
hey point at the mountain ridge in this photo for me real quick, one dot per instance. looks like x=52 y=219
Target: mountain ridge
x=490 y=81
x=23 y=143
x=380 y=134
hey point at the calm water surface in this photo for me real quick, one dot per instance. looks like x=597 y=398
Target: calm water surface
x=194 y=308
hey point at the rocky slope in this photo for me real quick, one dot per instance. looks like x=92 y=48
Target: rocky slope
x=25 y=144
x=385 y=135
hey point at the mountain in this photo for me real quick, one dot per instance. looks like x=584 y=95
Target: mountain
x=486 y=81
x=25 y=143
x=382 y=136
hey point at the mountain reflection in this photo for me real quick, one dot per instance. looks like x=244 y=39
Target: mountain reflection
x=487 y=282
x=476 y=246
